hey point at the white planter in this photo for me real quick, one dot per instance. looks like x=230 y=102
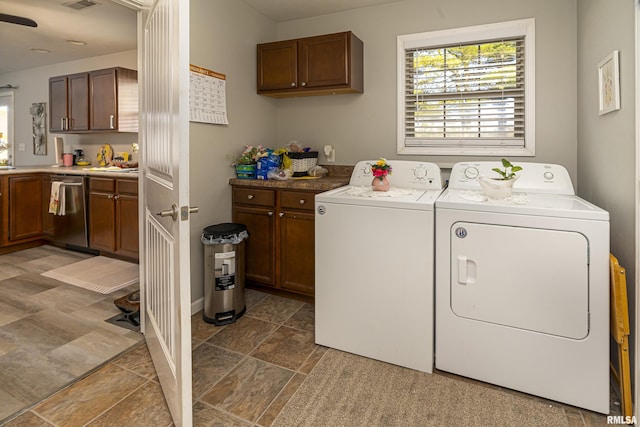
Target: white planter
x=496 y=188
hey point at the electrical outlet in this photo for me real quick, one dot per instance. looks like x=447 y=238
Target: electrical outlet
x=330 y=153
x=22 y=147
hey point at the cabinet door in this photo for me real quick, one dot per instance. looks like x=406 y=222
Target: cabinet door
x=297 y=252
x=25 y=207
x=104 y=111
x=57 y=103
x=260 y=246
x=47 y=218
x=323 y=60
x=102 y=220
x=277 y=65
x=78 y=99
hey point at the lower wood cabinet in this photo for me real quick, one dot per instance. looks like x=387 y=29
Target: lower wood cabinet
x=21 y=208
x=113 y=216
x=280 y=249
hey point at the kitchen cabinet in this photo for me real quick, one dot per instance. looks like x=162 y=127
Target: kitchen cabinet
x=113 y=216
x=320 y=65
x=280 y=248
x=96 y=101
x=114 y=100
x=69 y=103
x=47 y=218
x=21 y=197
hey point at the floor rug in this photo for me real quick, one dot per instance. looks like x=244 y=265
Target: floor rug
x=349 y=390
x=99 y=274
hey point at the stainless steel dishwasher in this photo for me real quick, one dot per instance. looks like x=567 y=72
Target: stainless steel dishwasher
x=70 y=229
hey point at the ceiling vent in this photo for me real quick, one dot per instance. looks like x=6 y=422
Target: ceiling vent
x=81 y=4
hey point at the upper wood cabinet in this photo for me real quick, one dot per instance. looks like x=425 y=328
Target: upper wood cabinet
x=96 y=101
x=114 y=100
x=321 y=65
x=69 y=103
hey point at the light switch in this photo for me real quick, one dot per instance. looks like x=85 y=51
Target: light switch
x=21 y=147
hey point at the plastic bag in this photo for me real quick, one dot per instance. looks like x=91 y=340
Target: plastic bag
x=280 y=174
x=317 y=171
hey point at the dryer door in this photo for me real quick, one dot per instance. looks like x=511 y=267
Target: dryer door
x=519 y=277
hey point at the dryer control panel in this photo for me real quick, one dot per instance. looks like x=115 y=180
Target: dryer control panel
x=533 y=178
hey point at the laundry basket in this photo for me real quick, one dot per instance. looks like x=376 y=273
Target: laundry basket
x=302 y=162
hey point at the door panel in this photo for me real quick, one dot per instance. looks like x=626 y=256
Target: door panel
x=520 y=277
x=165 y=278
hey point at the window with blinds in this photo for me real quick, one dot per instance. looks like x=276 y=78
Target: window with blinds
x=466 y=96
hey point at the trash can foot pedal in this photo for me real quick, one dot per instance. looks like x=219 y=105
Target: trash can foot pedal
x=225 y=317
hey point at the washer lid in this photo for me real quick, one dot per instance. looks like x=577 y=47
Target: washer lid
x=548 y=205
x=400 y=198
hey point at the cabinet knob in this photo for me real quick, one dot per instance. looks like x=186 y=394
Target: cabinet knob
x=250 y=196
x=281 y=214
x=302 y=201
x=303 y=84
x=116 y=197
x=270 y=213
x=293 y=84
x=111 y=120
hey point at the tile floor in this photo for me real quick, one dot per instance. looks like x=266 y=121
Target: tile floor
x=51 y=333
x=243 y=375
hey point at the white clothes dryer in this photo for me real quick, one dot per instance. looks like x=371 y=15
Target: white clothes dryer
x=522 y=285
x=374 y=265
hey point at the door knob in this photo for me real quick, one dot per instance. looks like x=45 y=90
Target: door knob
x=173 y=212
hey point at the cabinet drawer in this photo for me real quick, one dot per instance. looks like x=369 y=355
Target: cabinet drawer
x=252 y=196
x=297 y=200
x=126 y=186
x=107 y=185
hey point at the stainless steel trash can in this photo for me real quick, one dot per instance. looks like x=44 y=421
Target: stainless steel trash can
x=224 y=249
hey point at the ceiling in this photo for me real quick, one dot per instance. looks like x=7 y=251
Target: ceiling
x=109 y=26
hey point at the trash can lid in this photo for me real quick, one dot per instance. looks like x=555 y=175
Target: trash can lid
x=227 y=232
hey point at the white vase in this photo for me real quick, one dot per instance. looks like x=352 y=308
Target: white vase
x=496 y=188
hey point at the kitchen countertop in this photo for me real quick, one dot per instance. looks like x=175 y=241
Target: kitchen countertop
x=69 y=170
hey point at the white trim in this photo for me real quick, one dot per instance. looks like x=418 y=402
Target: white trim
x=522 y=27
x=10 y=94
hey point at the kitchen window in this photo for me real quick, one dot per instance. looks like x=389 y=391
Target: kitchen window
x=468 y=91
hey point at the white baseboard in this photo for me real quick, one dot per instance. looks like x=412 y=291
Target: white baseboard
x=197 y=305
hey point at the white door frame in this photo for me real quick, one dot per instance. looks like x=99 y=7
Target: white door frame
x=10 y=121
x=634 y=328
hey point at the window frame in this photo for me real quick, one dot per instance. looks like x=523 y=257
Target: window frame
x=469 y=35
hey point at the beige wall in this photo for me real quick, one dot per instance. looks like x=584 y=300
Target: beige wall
x=364 y=126
x=606 y=144
x=33 y=86
x=224 y=35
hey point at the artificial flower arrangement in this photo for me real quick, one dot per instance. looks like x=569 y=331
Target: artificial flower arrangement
x=250 y=155
x=381 y=168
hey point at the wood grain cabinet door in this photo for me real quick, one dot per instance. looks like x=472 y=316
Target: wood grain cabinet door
x=127 y=235
x=277 y=65
x=323 y=60
x=25 y=207
x=104 y=111
x=78 y=98
x=260 y=247
x=57 y=103
x=297 y=251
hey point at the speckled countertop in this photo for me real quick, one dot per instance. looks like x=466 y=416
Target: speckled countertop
x=69 y=170
x=338 y=176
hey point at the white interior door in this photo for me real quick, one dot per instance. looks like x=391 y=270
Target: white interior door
x=6 y=124
x=520 y=277
x=164 y=134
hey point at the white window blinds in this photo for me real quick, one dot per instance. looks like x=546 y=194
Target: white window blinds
x=465 y=93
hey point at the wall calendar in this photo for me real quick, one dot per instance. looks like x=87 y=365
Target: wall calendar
x=207 y=96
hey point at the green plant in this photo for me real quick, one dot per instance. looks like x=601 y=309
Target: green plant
x=509 y=171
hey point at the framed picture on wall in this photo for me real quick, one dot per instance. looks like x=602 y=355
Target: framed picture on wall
x=609 y=84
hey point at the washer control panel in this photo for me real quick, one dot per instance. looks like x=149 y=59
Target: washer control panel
x=533 y=178
x=404 y=174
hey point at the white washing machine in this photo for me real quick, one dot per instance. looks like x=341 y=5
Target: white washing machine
x=374 y=265
x=522 y=286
